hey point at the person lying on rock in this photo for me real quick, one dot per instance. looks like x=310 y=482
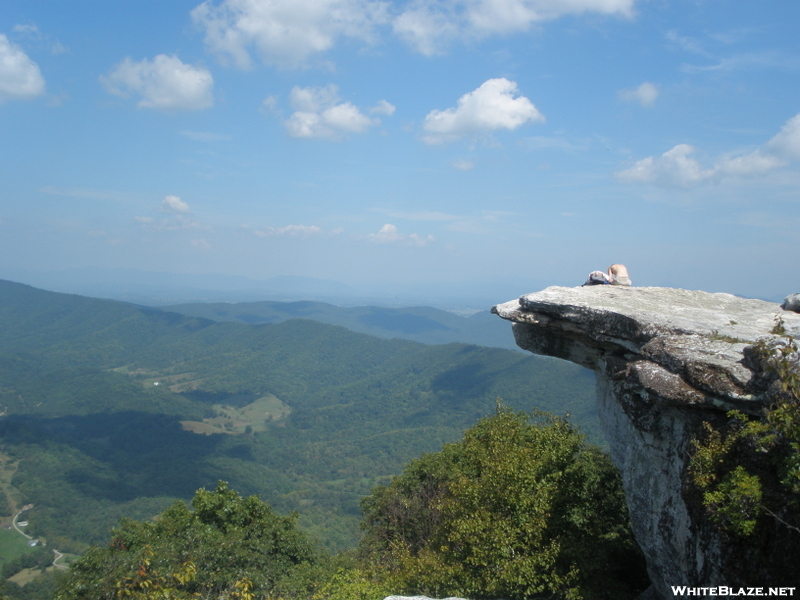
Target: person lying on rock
x=617 y=275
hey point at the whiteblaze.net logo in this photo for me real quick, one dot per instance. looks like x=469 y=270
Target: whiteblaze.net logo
x=723 y=590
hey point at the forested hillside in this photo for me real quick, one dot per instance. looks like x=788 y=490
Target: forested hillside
x=106 y=407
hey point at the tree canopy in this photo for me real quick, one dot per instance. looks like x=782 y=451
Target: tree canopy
x=224 y=545
x=517 y=509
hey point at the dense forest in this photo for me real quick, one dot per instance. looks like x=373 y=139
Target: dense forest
x=112 y=410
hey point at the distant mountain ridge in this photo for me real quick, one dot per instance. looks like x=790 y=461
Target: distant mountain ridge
x=154 y=288
x=419 y=323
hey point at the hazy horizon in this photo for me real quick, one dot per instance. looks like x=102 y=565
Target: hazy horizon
x=162 y=289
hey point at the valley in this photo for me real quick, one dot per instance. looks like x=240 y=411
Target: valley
x=114 y=410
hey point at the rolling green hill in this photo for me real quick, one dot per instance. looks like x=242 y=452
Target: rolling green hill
x=111 y=410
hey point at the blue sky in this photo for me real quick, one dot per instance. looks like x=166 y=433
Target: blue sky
x=508 y=143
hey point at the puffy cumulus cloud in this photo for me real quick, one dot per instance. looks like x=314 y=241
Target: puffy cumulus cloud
x=645 y=94
x=320 y=114
x=165 y=83
x=676 y=167
x=494 y=105
x=20 y=77
x=429 y=25
x=174 y=205
x=285 y=33
x=388 y=234
x=298 y=231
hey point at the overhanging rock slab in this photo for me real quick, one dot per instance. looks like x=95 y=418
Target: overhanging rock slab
x=666 y=361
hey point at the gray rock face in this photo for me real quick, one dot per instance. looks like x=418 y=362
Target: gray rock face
x=791 y=302
x=666 y=360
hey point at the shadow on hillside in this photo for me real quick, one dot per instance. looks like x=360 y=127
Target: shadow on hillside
x=114 y=456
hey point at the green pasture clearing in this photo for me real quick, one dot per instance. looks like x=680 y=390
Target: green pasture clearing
x=12 y=545
x=27 y=575
x=257 y=415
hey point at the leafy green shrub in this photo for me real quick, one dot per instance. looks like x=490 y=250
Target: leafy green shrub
x=748 y=469
x=225 y=545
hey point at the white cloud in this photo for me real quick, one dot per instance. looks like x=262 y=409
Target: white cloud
x=285 y=33
x=301 y=231
x=174 y=205
x=269 y=104
x=383 y=108
x=319 y=114
x=289 y=33
x=388 y=234
x=787 y=142
x=202 y=244
x=755 y=163
x=491 y=107
x=165 y=83
x=677 y=168
x=20 y=77
x=674 y=168
x=429 y=25
x=502 y=16
x=645 y=94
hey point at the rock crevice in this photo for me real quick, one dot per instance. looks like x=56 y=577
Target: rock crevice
x=666 y=360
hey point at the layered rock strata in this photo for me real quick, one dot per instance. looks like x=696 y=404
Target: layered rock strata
x=666 y=360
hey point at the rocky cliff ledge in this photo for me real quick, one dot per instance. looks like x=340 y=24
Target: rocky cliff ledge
x=666 y=360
